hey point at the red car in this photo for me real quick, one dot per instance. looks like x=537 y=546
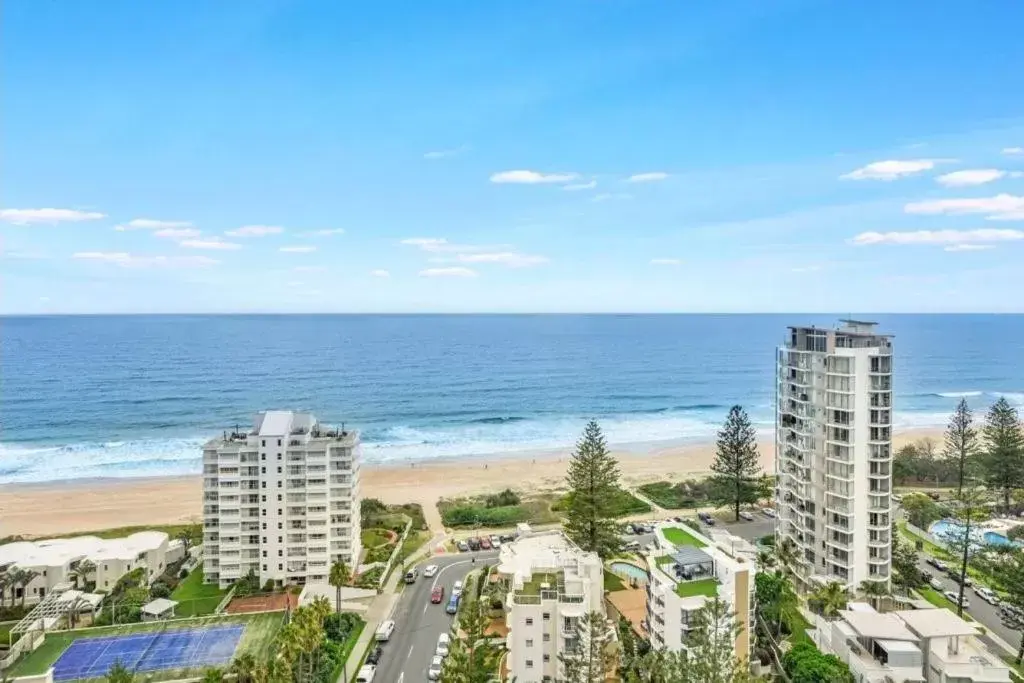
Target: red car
x=437 y=595
x=485 y=543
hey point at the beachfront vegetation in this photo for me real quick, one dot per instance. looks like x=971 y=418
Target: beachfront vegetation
x=692 y=493
x=374 y=513
x=1002 y=460
x=921 y=510
x=593 y=480
x=737 y=467
x=473 y=657
x=804 y=663
x=483 y=511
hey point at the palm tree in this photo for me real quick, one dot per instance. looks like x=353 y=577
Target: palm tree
x=82 y=571
x=786 y=554
x=244 y=668
x=5 y=582
x=22 y=578
x=874 y=590
x=212 y=675
x=340 y=576
x=118 y=673
x=830 y=598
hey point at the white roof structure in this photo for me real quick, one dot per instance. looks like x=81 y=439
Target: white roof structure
x=159 y=606
x=275 y=423
x=58 y=552
x=936 y=623
x=877 y=626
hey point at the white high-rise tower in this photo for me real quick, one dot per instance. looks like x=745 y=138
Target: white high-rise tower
x=833 y=451
x=281 y=500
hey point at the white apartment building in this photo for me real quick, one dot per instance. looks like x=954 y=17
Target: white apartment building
x=552 y=585
x=55 y=561
x=833 y=451
x=281 y=500
x=919 y=646
x=686 y=571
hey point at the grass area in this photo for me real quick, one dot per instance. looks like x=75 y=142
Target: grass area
x=797 y=627
x=413 y=542
x=706 y=587
x=677 y=495
x=533 y=586
x=613 y=583
x=257 y=638
x=929 y=547
x=372 y=538
x=195 y=597
x=5 y=630
x=171 y=530
x=678 y=536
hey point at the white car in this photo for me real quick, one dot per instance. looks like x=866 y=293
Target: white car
x=495 y=541
x=443 y=641
x=768 y=512
x=952 y=597
x=366 y=674
x=987 y=594
x=457 y=588
x=429 y=571
x=746 y=515
x=936 y=584
x=434 y=672
x=384 y=631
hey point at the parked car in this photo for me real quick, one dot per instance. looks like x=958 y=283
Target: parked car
x=677 y=519
x=474 y=543
x=495 y=541
x=374 y=656
x=952 y=596
x=384 y=631
x=955 y=575
x=366 y=674
x=746 y=515
x=437 y=595
x=429 y=571
x=933 y=562
x=443 y=642
x=507 y=538
x=987 y=594
x=410 y=576
x=453 y=603
x=768 y=512
x=434 y=672
x=457 y=588
x=632 y=546
x=485 y=543
x=1012 y=615
x=936 y=584
x=463 y=546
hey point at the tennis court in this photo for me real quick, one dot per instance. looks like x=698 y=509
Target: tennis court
x=143 y=652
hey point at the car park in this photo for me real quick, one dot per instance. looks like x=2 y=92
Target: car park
x=463 y=546
x=437 y=595
x=443 y=643
x=384 y=631
x=429 y=571
x=374 y=656
x=746 y=515
x=953 y=596
x=436 y=664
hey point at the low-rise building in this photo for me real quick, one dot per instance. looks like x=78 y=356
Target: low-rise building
x=552 y=586
x=688 y=569
x=924 y=645
x=57 y=561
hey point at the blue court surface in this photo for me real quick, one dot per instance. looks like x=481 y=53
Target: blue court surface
x=140 y=652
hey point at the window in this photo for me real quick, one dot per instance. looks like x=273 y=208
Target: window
x=264 y=567
x=280 y=566
x=263 y=498
x=280 y=539
x=280 y=525
x=264 y=443
x=279 y=469
x=263 y=470
x=263 y=484
x=280 y=553
x=279 y=484
x=547 y=616
x=529 y=663
x=278 y=456
x=529 y=642
x=264 y=526
x=547 y=658
x=263 y=456
x=547 y=637
x=279 y=498
x=529 y=621
x=278 y=510
x=104 y=567
x=264 y=512
x=264 y=539
x=279 y=442
x=264 y=555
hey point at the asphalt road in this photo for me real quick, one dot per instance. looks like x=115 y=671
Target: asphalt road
x=982 y=612
x=418 y=622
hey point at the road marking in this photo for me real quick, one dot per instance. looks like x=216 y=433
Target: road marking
x=448 y=566
x=411 y=648
x=425 y=607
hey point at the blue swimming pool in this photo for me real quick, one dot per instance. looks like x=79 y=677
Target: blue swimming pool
x=945 y=528
x=628 y=570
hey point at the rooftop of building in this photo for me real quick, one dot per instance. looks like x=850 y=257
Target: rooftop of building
x=58 y=552
x=286 y=423
x=544 y=562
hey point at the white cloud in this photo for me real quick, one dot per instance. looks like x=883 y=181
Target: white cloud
x=936 y=237
x=976 y=176
x=511 y=259
x=327 y=232
x=609 y=196
x=532 y=177
x=1002 y=207
x=213 y=243
x=445 y=153
x=177 y=233
x=51 y=216
x=380 y=272
x=438 y=245
x=152 y=224
x=297 y=249
x=126 y=260
x=309 y=269
x=455 y=271
x=665 y=262
x=969 y=247
x=650 y=177
x=573 y=187
x=890 y=170
x=255 y=231
x=1013 y=151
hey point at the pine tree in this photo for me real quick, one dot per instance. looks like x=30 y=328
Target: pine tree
x=961 y=443
x=592 y=657
x=593 y=479
x=737 y=468
x=969 y=509
x=472 y=657
x=1009 y=576
x=711 y=647
x=1002 y=461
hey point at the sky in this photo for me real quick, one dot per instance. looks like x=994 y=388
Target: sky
x=537 y=156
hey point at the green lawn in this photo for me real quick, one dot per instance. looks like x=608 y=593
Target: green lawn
x=257 y=638
x=372 y=538
x=678 y=536
x=195 y=597
x=613 y=583
x=706 y=587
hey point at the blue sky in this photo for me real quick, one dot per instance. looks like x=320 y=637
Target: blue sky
x=570 y=155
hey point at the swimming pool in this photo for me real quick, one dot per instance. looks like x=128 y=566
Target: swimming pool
x=630 y=571
x=945 y=528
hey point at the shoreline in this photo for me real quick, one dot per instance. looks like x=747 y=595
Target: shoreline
x=79 y=505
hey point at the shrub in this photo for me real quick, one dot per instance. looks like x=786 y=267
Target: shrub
x=470 y=514
x=269 y=586
x=159 y=590
x=372 y=506
x=691 y=493
x=506 y=498
x=337 y=626
x=804 y=663
x=183 y=574
x=1016 y=533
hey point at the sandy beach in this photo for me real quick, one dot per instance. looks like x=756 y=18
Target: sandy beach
x=66 y=507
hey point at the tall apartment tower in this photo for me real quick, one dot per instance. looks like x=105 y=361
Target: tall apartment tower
x=833 y=452
x=281 y=500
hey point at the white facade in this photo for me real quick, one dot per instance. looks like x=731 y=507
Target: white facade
x=683 y=576
x=927 y=645
x=281 y=500
x=552 y=585
x=55 y=560
x=833 y=452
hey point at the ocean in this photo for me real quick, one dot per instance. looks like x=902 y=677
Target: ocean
x=127 y=396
